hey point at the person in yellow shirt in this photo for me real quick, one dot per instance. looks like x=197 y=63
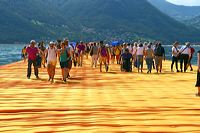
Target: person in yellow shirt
x=24 y=54
x=118 y=53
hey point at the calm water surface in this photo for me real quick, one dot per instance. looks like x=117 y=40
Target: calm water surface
x=10 y=53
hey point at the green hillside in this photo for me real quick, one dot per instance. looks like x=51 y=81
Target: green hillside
x=88 y=20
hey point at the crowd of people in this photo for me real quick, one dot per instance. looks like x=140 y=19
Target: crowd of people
x=129 y=56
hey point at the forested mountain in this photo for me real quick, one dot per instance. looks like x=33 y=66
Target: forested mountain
x=195 y=22
x=22 y=20
x=177 y=12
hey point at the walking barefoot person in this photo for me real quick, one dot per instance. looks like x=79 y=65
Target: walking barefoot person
x=32 y=52
x=140 y=57
x=24 y=54
x=51 y=53
x=198 y=73
x=81 y=52
x=69 y=50
x=103 y=53
x=63 y=55
x=149 y=56
x=190 y=59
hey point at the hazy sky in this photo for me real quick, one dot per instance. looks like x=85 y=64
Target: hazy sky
x=186 y=2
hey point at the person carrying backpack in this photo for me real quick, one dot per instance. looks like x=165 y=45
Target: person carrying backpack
x=159 y=53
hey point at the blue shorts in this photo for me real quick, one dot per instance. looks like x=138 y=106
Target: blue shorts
x=63 y=64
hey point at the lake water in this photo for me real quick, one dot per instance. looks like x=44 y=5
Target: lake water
x=10 y=53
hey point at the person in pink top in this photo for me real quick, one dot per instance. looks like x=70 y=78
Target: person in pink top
x=32 y=52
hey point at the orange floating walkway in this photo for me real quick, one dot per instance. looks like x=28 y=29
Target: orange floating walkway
x=93 y=102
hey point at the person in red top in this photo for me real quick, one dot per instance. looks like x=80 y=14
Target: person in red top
x=190 y=60
x=32 y=52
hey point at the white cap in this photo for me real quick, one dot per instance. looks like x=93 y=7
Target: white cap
x=107 y=45
x=51 y=43
x=32 y=41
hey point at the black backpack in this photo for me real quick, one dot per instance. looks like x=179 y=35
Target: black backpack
x=159 y=51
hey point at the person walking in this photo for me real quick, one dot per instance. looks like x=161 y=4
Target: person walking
x=32 y=52
x=175 y=55
x=159 y=53
x=43 y=48
x=51 y=53
x=149 y=56
x=140 y=57
x=190 y=59
x=118 y=53
x=185 y=55
x=24 y=54
x=103 y=53
x=70 y=56
x=81 y=51
x=63 y=57
x=134 y=54
x=112 y=51
x=198 y=74
x=94 y=54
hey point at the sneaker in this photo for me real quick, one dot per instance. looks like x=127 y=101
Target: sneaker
x=28 y=77
x=191 y=69
x=177 y=71
x=37 y=77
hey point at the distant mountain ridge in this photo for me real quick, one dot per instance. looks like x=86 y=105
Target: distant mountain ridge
x=195 y=22
x=88 y=20
x=177 y=12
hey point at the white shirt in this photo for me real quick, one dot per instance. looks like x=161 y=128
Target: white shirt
x=185 y=50
x=134 y=50
x=130 y=48
x=174 y=51
x=51 y=54
x=140 y=51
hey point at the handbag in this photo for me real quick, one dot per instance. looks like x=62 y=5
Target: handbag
x=179 y=55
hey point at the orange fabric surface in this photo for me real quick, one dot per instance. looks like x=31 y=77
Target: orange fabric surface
x=94 y=102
